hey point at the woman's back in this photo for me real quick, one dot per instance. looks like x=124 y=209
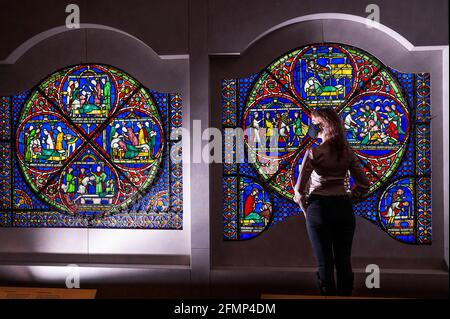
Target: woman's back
x=324 y=171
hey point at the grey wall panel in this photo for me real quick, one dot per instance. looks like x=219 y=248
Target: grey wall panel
x=233 y=24
x=62 y=241
x=161 y=24
x=140 y=61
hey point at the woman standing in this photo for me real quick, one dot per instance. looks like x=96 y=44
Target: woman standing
x=321 y=194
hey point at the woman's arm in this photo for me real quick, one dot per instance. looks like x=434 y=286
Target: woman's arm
x=362 y=184
x=301 y=186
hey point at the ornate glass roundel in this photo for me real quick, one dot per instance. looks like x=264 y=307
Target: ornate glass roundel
x=357 y=85
x=90 y=139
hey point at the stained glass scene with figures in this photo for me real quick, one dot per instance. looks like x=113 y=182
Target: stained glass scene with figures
x=88 y=147
x=386 y=115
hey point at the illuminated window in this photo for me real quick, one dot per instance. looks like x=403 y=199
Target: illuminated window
x=387 y=120
x=88 y=147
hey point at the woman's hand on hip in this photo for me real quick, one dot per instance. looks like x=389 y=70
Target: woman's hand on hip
x=300 y=200
x=297 y=197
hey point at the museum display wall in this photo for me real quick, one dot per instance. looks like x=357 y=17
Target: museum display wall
x=190 y=49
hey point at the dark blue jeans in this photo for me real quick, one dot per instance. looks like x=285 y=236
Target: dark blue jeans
x=331 y=224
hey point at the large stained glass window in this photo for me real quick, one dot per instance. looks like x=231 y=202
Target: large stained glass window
x=89 y=147
x=387 y=121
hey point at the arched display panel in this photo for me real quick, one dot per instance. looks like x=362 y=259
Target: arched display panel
x=89 y=147
x=387 y=119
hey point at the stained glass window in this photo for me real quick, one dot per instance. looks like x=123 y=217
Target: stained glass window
x=89 y=147
x=387 y=120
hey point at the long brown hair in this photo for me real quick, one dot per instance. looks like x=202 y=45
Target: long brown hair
x=333 y=129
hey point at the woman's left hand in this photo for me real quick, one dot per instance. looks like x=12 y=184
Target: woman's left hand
x=303 y=204
x=300 y=200
x=297 y=197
